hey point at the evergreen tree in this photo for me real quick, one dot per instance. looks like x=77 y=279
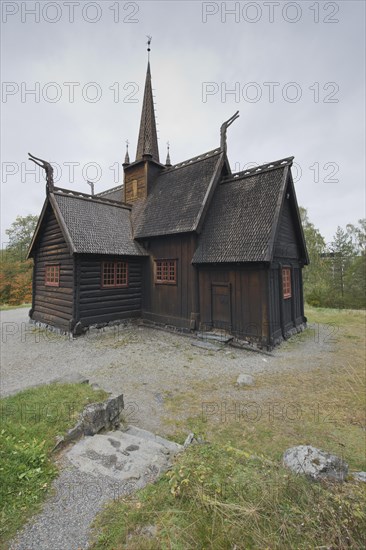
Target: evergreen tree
x=342 y=252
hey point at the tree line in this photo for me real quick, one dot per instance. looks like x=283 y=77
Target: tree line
x=336 y=276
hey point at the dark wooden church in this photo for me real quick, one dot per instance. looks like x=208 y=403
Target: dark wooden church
x=193 y=246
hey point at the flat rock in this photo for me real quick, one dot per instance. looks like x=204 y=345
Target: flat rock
x=222 y=338
x=97 y=470
x=123 y=455
x=315 y=464
x=206 y=345
x=245 y=380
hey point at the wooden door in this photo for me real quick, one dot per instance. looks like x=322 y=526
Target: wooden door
x=221 y=305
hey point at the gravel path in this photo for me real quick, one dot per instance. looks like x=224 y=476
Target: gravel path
x=146 y=365
x=152 y=369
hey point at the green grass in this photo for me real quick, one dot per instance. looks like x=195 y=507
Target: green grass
x=233 y=491
x=30 y=422
x=5 y=307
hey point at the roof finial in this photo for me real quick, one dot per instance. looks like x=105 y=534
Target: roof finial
x=167 y=162
x=224 y=127
x=91 y=186
x=127 y=156
x=47 y=168
x=149 y=38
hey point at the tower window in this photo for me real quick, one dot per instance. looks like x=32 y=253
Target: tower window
x=114 y=274
x=166 y=272
x=286 y=282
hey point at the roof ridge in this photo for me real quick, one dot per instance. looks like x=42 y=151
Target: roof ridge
x=192 y=160
x=274 y=165
x=90 y=198
x=116 y=188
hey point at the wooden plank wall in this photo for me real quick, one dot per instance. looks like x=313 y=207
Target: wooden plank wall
x=98 y=305
x=165 y=303
x=288 y=313
x=53 y=305
x=249 y=298
x=287 y=245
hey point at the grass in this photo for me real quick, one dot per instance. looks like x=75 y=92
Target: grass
x=233 y=491
x=5 y=307
x=30 y=422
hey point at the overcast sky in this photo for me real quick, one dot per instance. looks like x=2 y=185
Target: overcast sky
x=294 y=70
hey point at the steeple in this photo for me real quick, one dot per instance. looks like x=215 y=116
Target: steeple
x=148 y=140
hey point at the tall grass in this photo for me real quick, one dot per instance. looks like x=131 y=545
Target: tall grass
x=233 y=492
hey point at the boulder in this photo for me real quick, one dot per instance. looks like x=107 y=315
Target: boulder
x=359 y=476
x=94 y=418
x=315 y=464
x=245 y=380
x=72 y=378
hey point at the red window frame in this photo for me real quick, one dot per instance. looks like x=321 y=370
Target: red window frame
x=286 y=282
x=114 y=274
x=52 y=275
x=166 y=272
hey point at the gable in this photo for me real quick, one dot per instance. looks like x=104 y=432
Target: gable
x=289 y=239
x=90 y=225
x=177 y=199
x=286 y=244
x=49 y=220
x=240 y=221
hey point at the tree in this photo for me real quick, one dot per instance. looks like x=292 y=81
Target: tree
x=315 y=274
x=342 y=252
x=358 y=236
x=20 y=235
x=355 y=283
x=15 y=271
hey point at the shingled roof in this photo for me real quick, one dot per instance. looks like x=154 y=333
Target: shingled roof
x=240 y=224
x=114 y=194
x=178 y=197
x=92 y=225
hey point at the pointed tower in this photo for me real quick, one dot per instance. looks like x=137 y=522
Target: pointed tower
x=148 y=139
x=140 y=174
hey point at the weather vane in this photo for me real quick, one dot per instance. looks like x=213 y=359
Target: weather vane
x=149 y=38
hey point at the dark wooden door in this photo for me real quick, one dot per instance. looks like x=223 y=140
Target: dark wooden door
x=221 y=305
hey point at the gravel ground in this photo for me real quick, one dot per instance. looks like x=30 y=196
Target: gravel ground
x=147 y=366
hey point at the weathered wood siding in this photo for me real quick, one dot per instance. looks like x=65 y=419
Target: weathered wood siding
x=249 y=297
x=287 y=245
x=286 y=313
x=53 y=305
x=167 y=303
x=95 y=304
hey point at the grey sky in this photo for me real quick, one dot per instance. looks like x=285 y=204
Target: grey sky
x=318 y=58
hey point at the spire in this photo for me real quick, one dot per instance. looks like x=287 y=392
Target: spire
x=127 y=156
x=167 y=162
x=148 y=140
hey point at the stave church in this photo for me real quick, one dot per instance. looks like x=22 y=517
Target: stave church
x=192 y=246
